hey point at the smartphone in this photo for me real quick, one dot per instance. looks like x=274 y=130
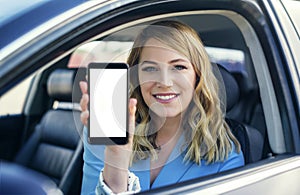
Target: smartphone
x=108 y=104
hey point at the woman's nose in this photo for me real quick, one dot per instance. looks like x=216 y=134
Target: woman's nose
x=165 y=79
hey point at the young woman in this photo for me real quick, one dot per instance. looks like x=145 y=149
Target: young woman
x=177 y=127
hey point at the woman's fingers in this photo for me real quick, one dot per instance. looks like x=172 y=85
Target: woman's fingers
x=84 y=102
x=84 y=109
x=83 y=87
x=132 y=110
x=84 y=117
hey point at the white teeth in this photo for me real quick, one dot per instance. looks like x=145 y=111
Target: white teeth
x=165 y=97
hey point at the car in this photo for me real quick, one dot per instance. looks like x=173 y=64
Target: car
x=45 y=47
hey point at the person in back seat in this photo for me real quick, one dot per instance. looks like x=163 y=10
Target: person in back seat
x=179 y=133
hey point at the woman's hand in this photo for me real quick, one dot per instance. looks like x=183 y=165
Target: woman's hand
x=84 y=102
x=117 y=157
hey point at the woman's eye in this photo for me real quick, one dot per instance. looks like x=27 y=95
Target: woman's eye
x=179 y=67
x=149 y=69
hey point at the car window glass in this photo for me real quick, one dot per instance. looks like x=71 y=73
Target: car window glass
x=13 y=101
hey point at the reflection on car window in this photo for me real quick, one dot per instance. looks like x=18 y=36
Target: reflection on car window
x=233 y=60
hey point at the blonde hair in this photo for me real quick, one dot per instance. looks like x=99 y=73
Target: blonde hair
x=207 y=134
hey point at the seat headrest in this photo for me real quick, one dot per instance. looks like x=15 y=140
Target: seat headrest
x=60 y=84
x=63 y=84
x=231 y=87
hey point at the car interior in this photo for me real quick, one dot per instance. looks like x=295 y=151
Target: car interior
x=55 y=148
x=51 y=141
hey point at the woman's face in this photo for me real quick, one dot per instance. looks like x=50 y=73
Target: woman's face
x=167 y=79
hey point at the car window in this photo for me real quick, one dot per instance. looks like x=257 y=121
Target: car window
x=13 y=101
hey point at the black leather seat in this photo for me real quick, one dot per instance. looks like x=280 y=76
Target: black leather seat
x=251 y=140
x=17 y=179
x=55 y=148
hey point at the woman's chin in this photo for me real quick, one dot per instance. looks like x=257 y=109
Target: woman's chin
x=166 y=113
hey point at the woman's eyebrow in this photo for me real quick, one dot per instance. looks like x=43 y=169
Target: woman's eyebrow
x=149 y=62
x=170 y=62
x=177 y=60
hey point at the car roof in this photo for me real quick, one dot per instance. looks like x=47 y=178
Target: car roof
x=19 y=17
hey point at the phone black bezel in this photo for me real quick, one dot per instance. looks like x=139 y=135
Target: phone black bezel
x=108 y=140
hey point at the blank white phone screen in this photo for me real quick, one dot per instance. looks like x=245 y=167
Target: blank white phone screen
x=108 y=102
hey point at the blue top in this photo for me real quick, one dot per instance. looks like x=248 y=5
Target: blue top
x=175 y=170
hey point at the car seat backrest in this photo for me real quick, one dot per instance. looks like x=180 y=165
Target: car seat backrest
x=251 y=140
x=16 y=179
x=55 y=147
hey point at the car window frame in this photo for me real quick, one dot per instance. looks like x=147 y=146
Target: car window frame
x=287 y=65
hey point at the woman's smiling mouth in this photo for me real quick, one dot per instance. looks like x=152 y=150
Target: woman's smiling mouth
x=165 y=98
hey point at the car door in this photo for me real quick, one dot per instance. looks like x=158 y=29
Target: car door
x=15 y=123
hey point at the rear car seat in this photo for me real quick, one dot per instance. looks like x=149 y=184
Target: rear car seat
x=251 y=140
x=55 y=148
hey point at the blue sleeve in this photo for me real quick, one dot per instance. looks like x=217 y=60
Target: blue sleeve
x=234 y=160
x=93 y=164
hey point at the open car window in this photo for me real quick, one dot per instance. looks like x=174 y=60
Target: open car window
x=242 y=56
